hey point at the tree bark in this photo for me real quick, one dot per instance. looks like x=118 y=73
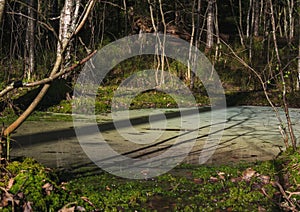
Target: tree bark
x=256 y=17
x=197 y=32
x=239 y=27
x=248 y=27
x=291 y=19
x=209 y=27
x=30 y=41
x=298 y=77
x=2 y=6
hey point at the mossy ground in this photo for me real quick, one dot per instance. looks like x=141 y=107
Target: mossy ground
x=239 y=187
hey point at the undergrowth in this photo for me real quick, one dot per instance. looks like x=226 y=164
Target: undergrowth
x=239 y=187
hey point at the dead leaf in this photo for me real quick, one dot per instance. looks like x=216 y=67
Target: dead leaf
x=48 y=188
x=198 y=180
x=27 y=207
x=213 y=179
x=6 y=198
x=63 y=185
x=235 y=179
x=221 y=175
x=87 y=200
x=20 y=195
x=261 y=209
x=10 y=183
x=72 y=209
x=67 y=208
x=265 y=179
x=80 y=208
x=248 y=174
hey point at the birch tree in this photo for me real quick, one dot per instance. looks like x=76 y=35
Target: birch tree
x=29 y=53
x=67 y=29
x=209 y=26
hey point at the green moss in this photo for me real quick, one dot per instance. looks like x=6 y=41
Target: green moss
x=186 y=188
x=36 y=184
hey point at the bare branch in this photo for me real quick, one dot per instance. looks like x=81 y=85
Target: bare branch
x=49 y=79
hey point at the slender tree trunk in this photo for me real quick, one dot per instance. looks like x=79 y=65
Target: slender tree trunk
x=217 y=34
x=30 y=41
x=162 y=57
x=2 y=6
x=197 y=31
x=291 y=19
x=285 y=104
x=285 y=24
x=248 y=27
x=126 y=17
x=238 y=25
x=209 y=26
x=256 y=17
x=298 y=77
x=191 y=57
x=65 y=25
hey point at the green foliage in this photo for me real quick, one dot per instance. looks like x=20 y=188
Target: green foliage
x=35 y=184
x=289 y=162
x=186 y=188
x=65 y=106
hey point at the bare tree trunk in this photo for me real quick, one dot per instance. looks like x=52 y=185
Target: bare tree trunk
x=126 y=17
x=197 y=32
x=62 y=45
x=68 y=20
x=238 y=25
x=286 y=108
x=209 y=27
x=162 y=57
x=285 y=24
x=256 y=17
x=291 y=19
x=157 y=47
x=248 y=27
x=298 y=77
x=217 y=34
x=30 y=41
x=191 y=57
x=2 y=6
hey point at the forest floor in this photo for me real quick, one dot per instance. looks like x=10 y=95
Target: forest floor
x=243 y=174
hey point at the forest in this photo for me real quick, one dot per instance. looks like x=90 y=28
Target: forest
x=254 y=46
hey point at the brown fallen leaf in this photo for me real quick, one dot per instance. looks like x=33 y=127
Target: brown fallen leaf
x=72 y=209
x=198 y=180
x=6 y=198
x=87 y=200
x=48 y=188
x=27 y=207
x=236 y=179
x=213 y=179
x=221 y=175
x=265 y=179
x=67 y=208
x=248 y=174
x=10 y=183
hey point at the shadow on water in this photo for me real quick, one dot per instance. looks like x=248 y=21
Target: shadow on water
x=89 y=168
